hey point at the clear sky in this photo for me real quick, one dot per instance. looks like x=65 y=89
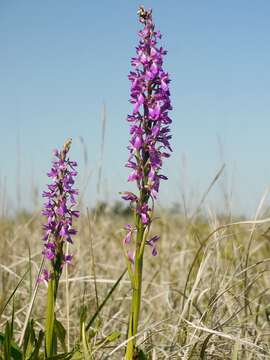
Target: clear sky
x=61 y=60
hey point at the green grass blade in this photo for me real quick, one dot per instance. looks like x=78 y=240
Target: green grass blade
x=65 y=356
x=37 y=346
x=7 y=342
x=105 y=300
x=30 y=341
x=85 y=345
x=12 y=294
x=204 y=347
x=12 y=320
x=60 y=333
x=14 y=349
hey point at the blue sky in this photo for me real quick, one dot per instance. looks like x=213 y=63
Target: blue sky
x=61 y=60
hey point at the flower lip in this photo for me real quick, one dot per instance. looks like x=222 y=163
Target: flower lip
x=152 y=243
x=127 y=195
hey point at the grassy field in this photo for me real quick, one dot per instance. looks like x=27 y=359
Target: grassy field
x=205 y=296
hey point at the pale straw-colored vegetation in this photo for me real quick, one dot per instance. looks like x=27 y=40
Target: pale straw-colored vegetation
x=206 y=294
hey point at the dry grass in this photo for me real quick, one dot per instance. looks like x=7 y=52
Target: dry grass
x=206 y=294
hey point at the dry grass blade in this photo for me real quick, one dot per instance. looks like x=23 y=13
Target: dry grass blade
x=227 y=336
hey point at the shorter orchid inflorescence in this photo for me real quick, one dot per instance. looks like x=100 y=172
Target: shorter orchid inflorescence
x=59 y=211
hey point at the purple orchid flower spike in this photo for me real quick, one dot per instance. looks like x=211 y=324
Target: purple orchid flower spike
x=149 y=130
x=148 y=146
x=58 y=231
x=59 y=211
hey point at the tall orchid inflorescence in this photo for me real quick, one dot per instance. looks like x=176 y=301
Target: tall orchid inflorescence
x=150 y=133
x=149 y=145
x=59 y=211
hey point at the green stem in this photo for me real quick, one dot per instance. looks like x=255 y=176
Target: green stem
x=136 y=296
x=50 y=316
x=50 y=341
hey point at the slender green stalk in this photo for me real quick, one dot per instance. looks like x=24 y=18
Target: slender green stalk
x=50 y=343
x=136 y=295
x=50 y=317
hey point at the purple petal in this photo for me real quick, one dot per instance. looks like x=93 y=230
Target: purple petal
x=129 y=196
x=127 y=238
x=67 y=259
x=144 y=218
x=138 y=142
x=131 y=256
